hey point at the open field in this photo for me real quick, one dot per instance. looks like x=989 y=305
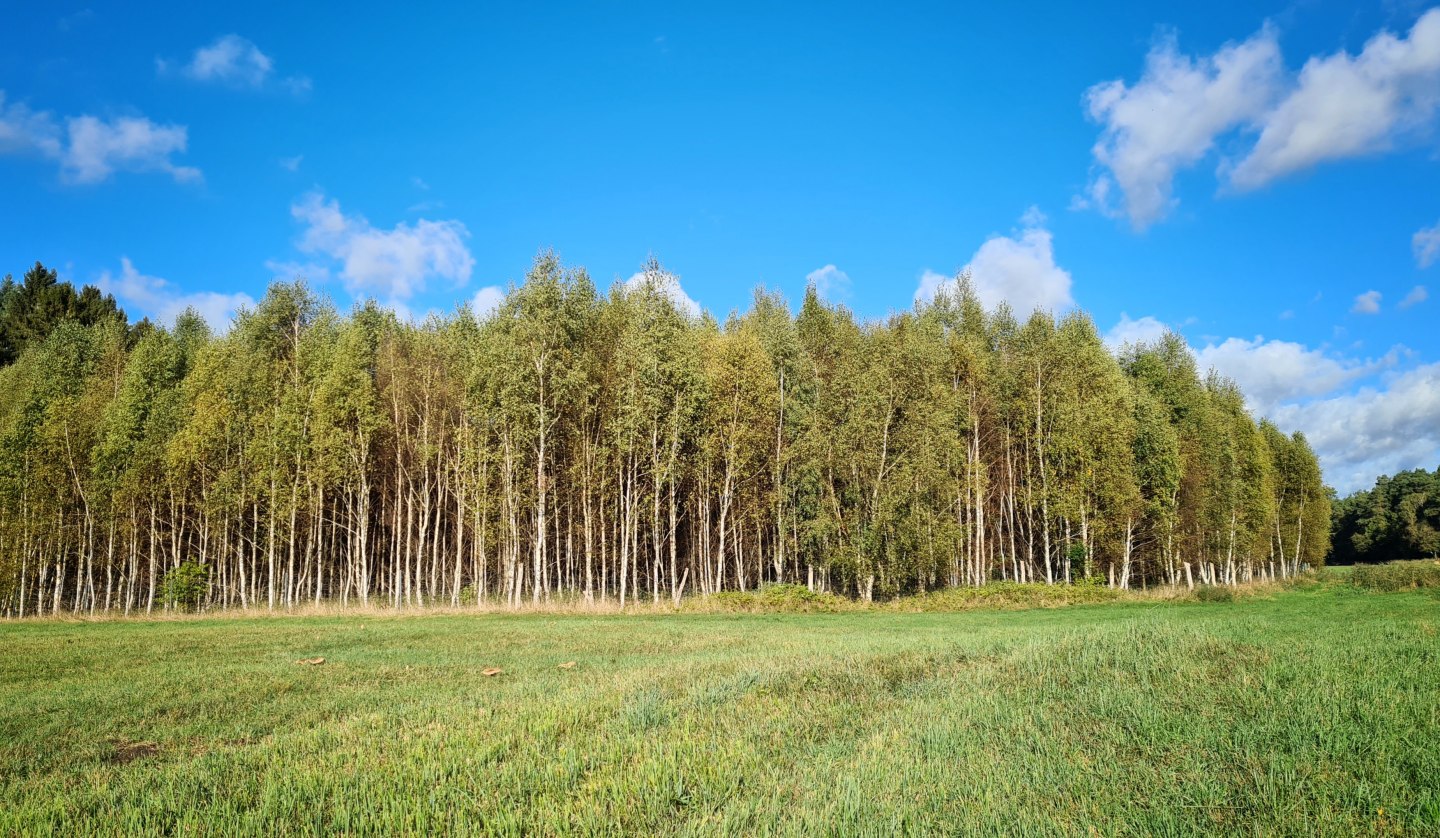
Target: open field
x=1311 y=711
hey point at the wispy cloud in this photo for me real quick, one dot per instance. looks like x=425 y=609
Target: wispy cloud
x=1426 y=243
x=1367 y=303
x=236 y=62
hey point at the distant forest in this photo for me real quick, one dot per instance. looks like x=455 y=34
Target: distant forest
x=576 y=445
x=1398 y=519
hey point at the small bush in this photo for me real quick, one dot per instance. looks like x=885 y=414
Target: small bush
x=184 y=586
x=1214 y=593
x=784 y=597
x=1397 y=576
x=1011 y=595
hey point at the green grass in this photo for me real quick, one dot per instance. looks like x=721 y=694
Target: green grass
x=1313 y=711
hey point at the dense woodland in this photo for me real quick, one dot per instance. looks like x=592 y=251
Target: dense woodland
x=582 y=445
x=1398 y=519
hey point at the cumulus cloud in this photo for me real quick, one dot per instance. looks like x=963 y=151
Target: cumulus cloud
x=1373 y=431
x=830 y=282
x=292 y=164
x=487 y=300
x=162 y=302
x=1367 y=303
x=90 y=149
x=96 y=149
x=1417 y=295
x=1127 y=331
x=1270 y=372
x=1169 y=119
x=668 y=284
x=1337 y=106
x=1363 y=417
x=1344 y=106
x=394 y=263
x=236 y=62
x=1426 y=243
x=1019 y=269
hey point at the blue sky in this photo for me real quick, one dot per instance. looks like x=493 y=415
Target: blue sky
x=1261 y=177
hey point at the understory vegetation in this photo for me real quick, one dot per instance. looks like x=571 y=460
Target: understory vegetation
x=1308 y=711
x=620 y=447
x=1397 y=576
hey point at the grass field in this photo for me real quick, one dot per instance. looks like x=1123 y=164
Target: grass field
x=1313 y=711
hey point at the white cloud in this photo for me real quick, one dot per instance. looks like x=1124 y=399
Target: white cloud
x=237 y=62
x=930 y=284
x=1345 y=106
x=830 y=282
x=96 y=149
x=1385 y=425
x=668 y=285
x=1270 y=372
x=1362 y=435
x=312 y=272
x=394 y=263
x=1337 y=106
x=1367 y=303
x=1417 y=295
x=1019 y=270
x=487 y=300
x=1168 y=120
x=1427 y=245
x=232 y=60
x=90 y=149
x=23 y=130
x=162 y=302
x=1127 y=331
x=292 y=164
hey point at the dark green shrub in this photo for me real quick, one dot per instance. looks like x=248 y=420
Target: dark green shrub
x=1214 y=593
x=783 y=597
x=185 y=585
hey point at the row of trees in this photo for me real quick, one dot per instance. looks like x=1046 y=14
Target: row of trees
x=584 y=445
x=1398 y=519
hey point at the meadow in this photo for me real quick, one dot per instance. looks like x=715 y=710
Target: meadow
x=1313 y=710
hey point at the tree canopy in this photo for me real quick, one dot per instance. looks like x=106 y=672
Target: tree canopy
x=33 y=308
x=1397 y=519
x=584 y=444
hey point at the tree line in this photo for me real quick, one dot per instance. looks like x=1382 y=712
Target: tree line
x=584 y=445
x=1398 y=519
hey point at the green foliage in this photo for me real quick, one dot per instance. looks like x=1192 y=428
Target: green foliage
x=779 y=598
x=1011 y=595
x=579 y=445
x=1214 y=593
x=1398 y=519
x=185 y=586
x=1397 y=576
x=30 y=310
